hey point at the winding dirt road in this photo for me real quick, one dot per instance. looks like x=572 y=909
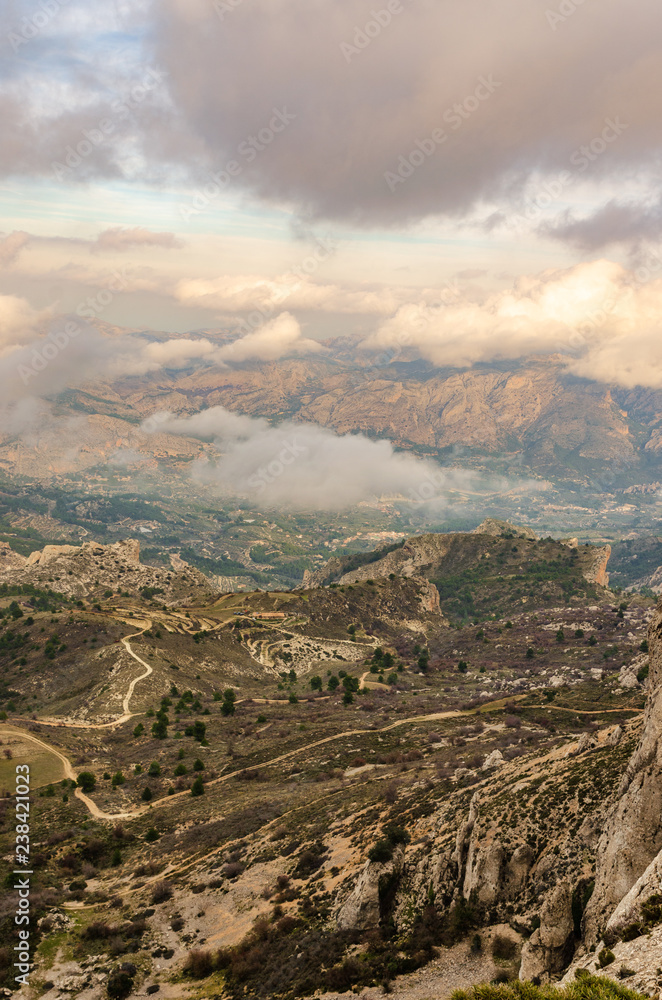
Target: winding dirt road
x=168 y=800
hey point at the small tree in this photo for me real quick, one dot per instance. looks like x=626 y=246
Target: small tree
x=152 y=835
x=198 y=787
x=199 y=731
x=316 y=683
x=160 y=727
x=139 y=730
x=86 y=780
x=229 y=698
x=118 y=779
x=154 y=769
x=198 y=765
x=147 y=794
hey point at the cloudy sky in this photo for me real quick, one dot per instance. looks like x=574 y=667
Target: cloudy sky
x=469 y=181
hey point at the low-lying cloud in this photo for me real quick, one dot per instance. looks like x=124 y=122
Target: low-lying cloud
x=303 y=466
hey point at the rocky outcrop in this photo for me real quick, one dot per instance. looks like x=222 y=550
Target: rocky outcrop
x=494 y=527
x=550 y=947
x=632 y=837
x=628 y=910
x=10 y=560
x=494 y=759
x=362 y=910
x=641 y=958
x=434 y=556
x=597 y=572
x=628 y=677
x=78 y=571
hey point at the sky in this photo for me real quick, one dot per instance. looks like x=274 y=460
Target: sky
x=465 y=182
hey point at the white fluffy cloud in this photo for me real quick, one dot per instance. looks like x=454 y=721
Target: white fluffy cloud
x=19 y=322
x=278 y=338
x=605 y=320
x=177 y=353
x=300 y=465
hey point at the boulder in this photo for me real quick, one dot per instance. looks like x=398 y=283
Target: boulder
x=551 y=946
x=495 y=759
x=628 y=910
x=361 y=909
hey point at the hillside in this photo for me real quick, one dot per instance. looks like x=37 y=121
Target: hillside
x=491 y=570
x=308 y=791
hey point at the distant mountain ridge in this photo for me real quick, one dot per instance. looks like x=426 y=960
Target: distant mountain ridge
x=531 y=412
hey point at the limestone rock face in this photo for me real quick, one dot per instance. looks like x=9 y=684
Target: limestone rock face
x=597 y=573
x=360 y=910
x=628 y=910
x=9 y=559
x=483 y=876
x=632 y=837
x=550 y=947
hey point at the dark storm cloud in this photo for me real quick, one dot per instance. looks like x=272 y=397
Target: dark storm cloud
x=513 y=92
x=375 y=112
x=615 y=223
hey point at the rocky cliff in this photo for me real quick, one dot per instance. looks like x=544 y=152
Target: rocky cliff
x=632 y=838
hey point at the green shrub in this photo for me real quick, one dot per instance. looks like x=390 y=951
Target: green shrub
x=586 y=987
x=86 y=781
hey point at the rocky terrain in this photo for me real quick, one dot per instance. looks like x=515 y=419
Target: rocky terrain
x=348 y=786
x=89 y=570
